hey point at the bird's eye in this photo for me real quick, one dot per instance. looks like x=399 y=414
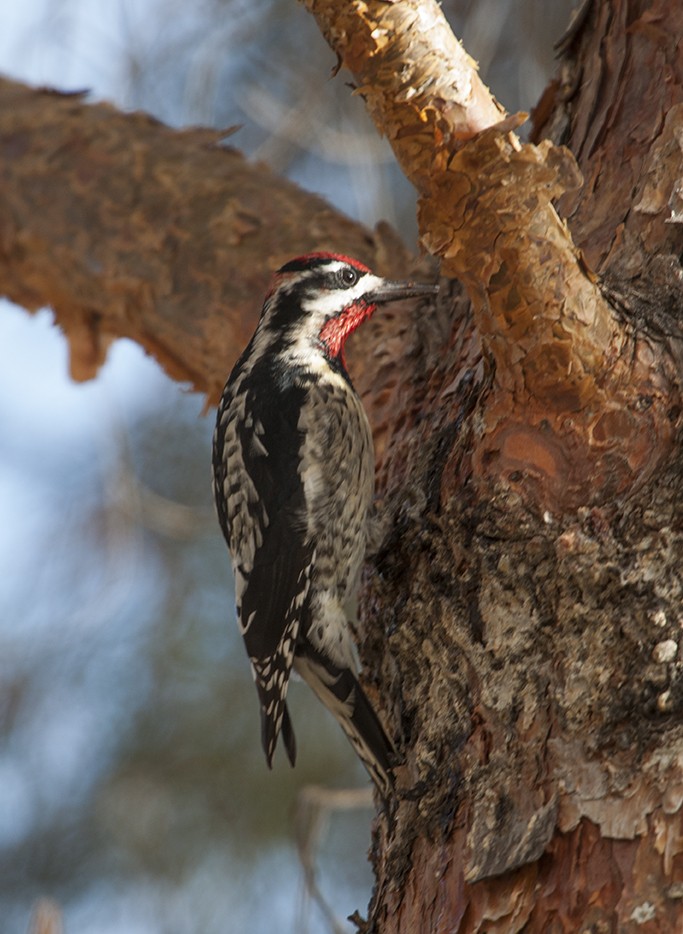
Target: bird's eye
x=348 y=276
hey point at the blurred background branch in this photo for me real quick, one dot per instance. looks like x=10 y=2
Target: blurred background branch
x=314 y=806
x=47 y=918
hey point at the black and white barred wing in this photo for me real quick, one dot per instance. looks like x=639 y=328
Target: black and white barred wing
x=256 y=452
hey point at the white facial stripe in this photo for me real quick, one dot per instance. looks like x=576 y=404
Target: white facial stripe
x=327 y=303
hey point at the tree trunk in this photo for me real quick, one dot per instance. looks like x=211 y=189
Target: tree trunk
x=522 y=618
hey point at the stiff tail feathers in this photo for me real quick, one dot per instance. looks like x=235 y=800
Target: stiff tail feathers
x=340 y=692
x=271 y=726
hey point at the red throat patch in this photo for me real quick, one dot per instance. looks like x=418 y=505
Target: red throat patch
x=335 y=332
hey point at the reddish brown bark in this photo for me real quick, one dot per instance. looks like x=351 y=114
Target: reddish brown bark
x=523 y=619
x=524 y=614
x=129 y=229
x=559 y=350
x=618 y=105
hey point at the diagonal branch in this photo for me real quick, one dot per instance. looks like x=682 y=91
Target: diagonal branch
x=417 y=81
x=565 y=421
x=127 y=228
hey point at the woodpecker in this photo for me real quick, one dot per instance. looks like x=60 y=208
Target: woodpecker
x=293 y=481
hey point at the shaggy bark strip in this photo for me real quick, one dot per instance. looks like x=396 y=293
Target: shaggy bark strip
x=618 y=104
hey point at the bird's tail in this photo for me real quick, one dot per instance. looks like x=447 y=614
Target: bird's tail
x=270 y=730
x=340 y=692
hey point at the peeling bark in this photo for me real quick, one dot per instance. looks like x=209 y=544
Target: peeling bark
x=126 y=228
x=416 y=79
x=618 y=105
x=565 y=422
x=523 y=617
x=578 y=410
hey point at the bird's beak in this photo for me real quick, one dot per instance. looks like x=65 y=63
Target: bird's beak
x=390 y=291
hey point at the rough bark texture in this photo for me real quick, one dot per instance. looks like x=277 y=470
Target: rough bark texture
x=554 y=341
x=524 y=616
x=617 y=104
x=129 y=229
x=415 y=77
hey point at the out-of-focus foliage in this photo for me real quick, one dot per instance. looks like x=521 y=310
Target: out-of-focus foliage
x=133 y=788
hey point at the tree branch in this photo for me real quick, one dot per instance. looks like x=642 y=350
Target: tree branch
x=127 y=228
x=610 y=89
x=565 y=419
x=416 y=79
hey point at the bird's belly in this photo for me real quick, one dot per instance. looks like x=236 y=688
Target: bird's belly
x=339 y=491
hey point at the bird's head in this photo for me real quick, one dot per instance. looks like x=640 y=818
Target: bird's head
x=321 y=298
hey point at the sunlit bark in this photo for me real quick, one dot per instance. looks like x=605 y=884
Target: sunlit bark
x=523 y=618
